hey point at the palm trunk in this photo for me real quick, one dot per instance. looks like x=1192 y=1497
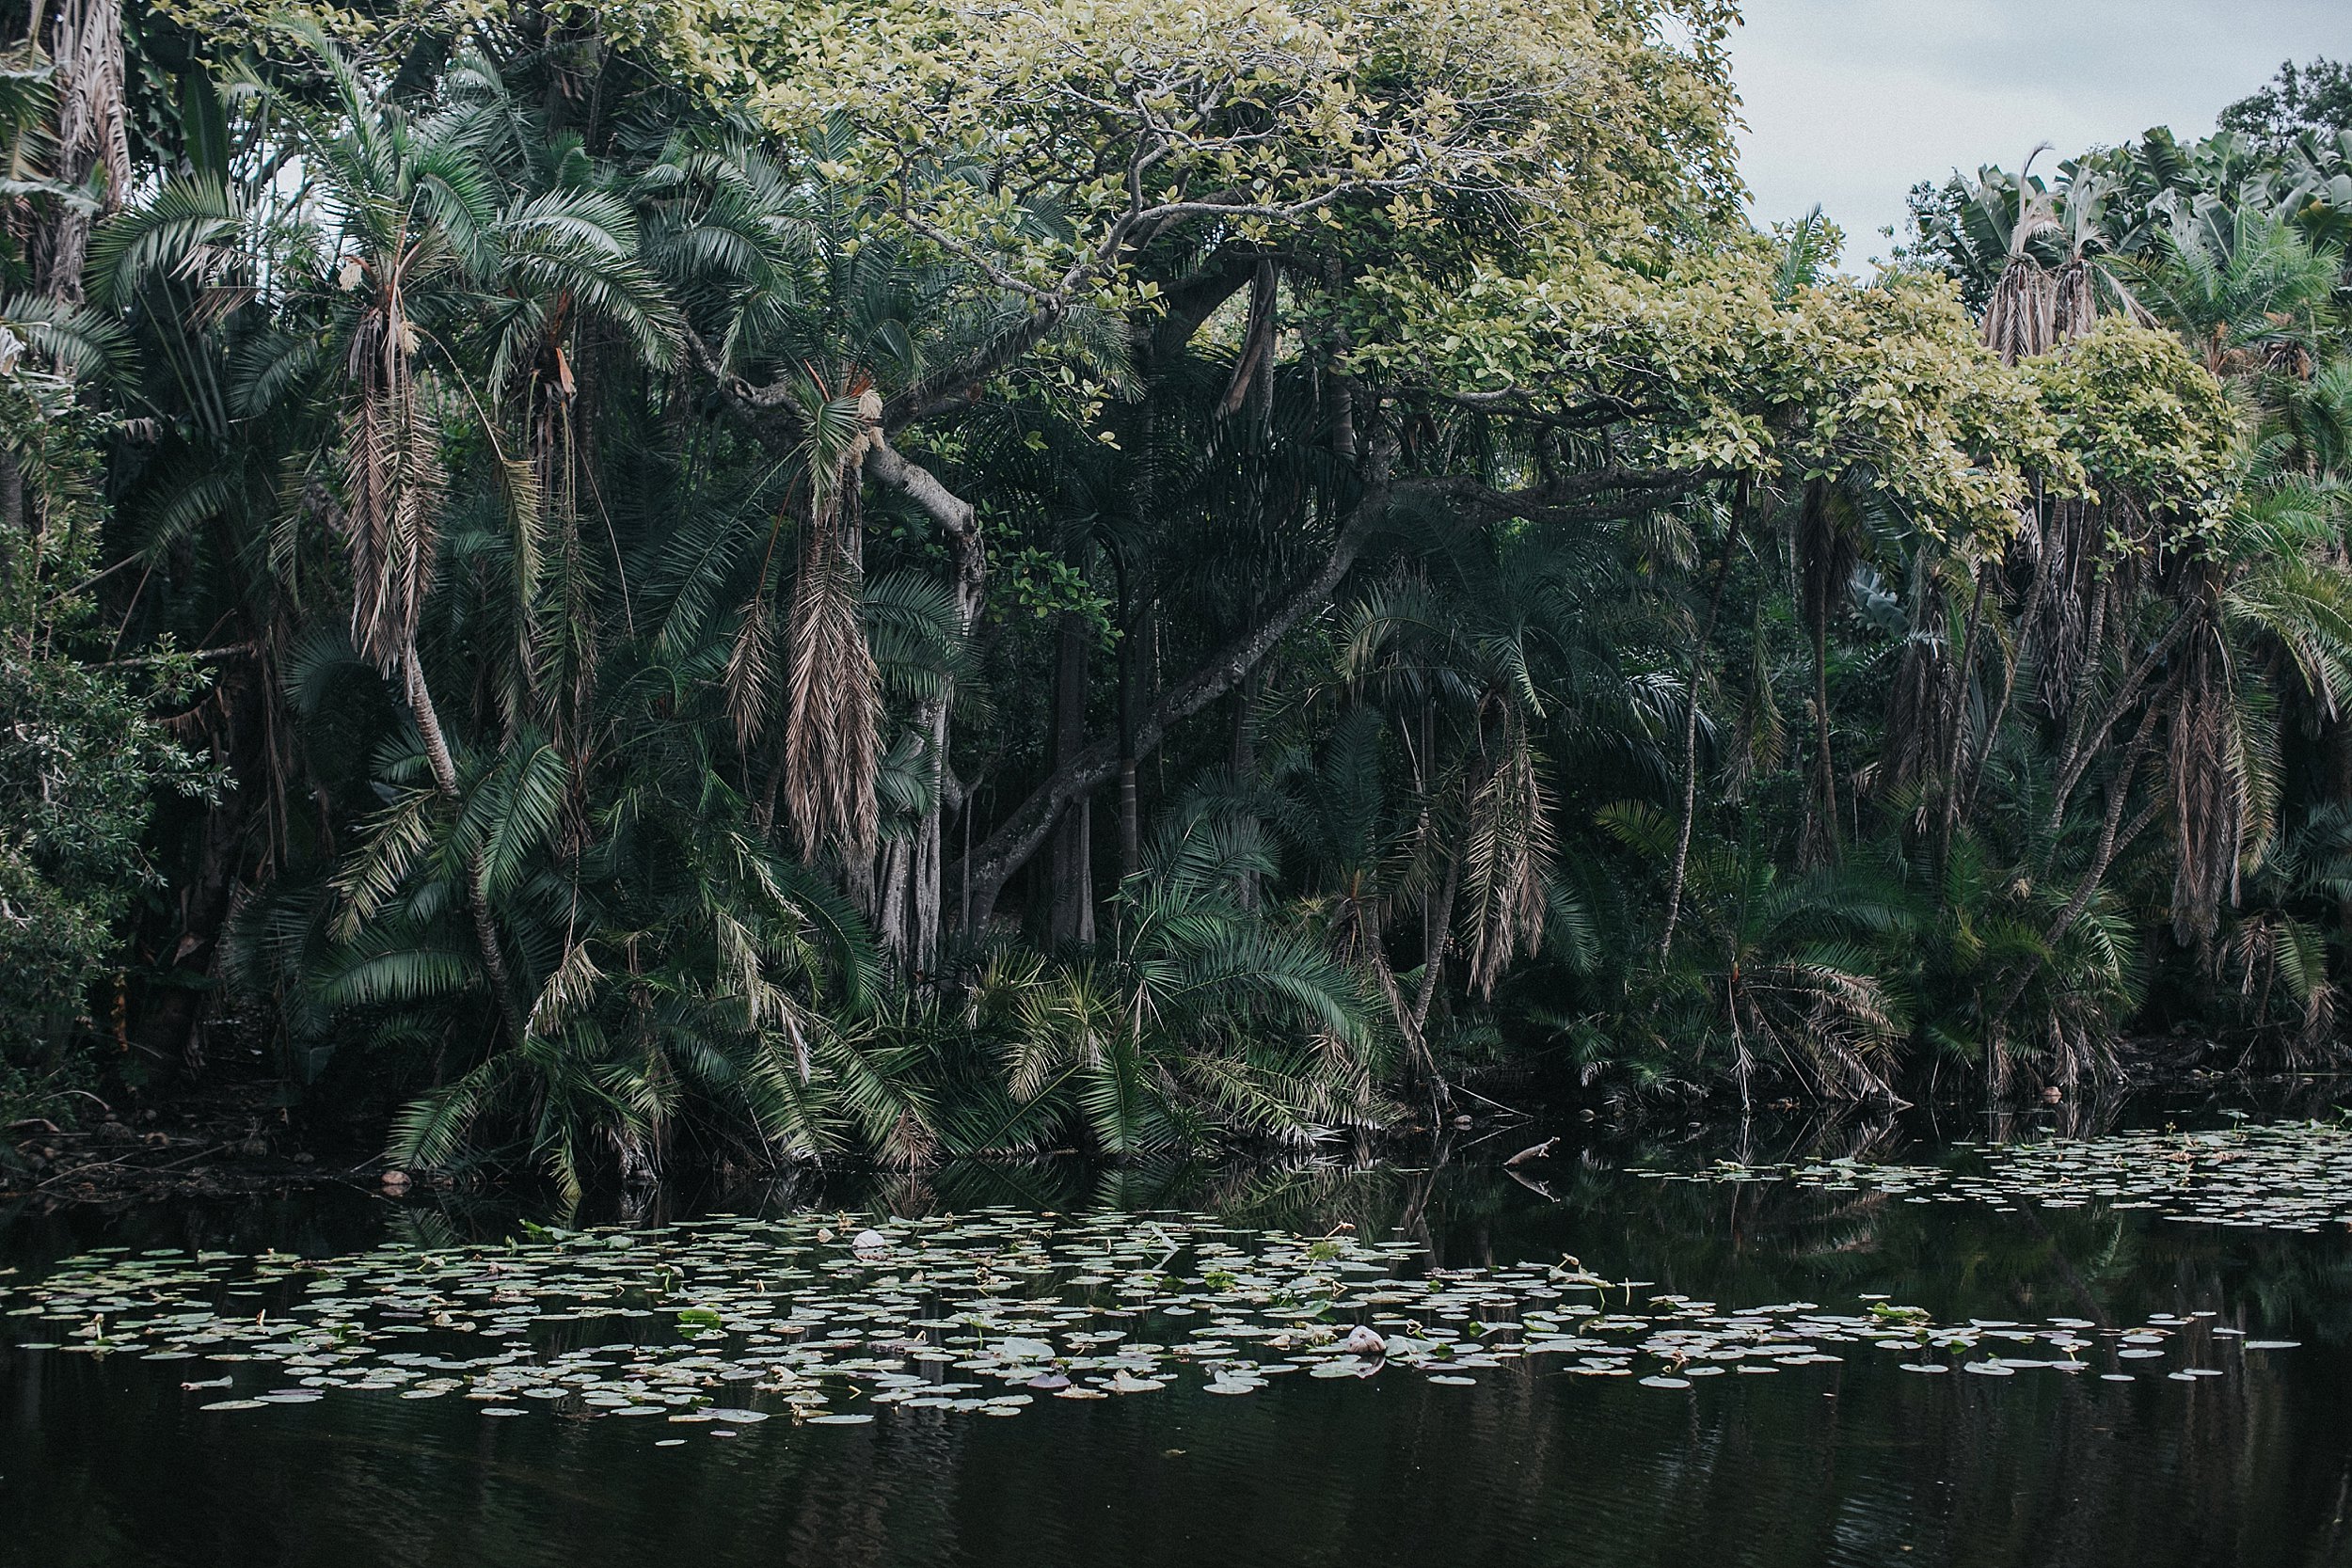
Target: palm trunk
x=1823 y=846
x=1432 y=973
x=1131 y=663
x=1954 y=744
x=1242 y=761
x=1823 y=556
x=172 y=1012
x=2012 y=658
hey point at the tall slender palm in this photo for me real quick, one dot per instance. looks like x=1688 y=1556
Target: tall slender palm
x=429 y=237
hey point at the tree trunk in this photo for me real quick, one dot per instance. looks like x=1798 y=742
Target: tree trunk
x=910 y=923
x=1820 y=848
x=171 y=1017
x=1690 y=724
x=1135 y=620
x=1954 y=722
x=1070 y=919
x=1242 y=761
x=1425 y=767
x=1011 y=844
x=1133 y=663
x=1824 y=560
x=444 y=769
x=2338 y=734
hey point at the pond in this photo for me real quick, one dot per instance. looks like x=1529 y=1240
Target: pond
x=1731 y=1346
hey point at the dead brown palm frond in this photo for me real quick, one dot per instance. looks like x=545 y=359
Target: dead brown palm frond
x=2074 y=301
x=536 y=551
x=832 y=716
x=1914 y=705
x=1928 y=720
x=750 y=671
x=2076 y=579
x=91 y=135
x=2281 y=965
x=1834 y=1027
x=1508 y=856
x=2221 y=787
x=392 y=480
x=2089 y=272
x=830 y=740
x=557 y=627
x=571 y=986
x=2080 y=282
x=2021 y=319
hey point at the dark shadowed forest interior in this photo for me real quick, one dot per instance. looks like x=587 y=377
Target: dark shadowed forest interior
x=594 y=591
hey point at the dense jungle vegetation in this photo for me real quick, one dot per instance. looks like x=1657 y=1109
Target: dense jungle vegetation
x=673 y=582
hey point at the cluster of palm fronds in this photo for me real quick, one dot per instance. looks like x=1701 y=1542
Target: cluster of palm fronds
x=715 y=669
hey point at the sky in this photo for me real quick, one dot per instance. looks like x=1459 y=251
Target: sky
x=1850 y=102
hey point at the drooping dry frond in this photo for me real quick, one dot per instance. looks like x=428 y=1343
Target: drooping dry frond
x=750 y=671
x=2021 y=319
x=832 y=718
x=2218 y=795
x=391 y=482
x=1508 y=858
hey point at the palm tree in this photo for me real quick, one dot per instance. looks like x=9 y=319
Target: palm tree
x=815 y=322
x=433 y=244
x=1201 y=1019
x=1787 y=969
x=2249 y=294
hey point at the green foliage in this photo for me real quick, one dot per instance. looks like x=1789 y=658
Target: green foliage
x=1042 y=588
x=2146 y=424
x=823 y=582
x=81 y=759
x=2314 y=96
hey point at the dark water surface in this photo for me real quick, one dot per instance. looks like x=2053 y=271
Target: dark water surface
x=105 y=1461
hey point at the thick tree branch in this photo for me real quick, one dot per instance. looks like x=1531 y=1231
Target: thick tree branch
x=954 y=387
x=1598 y=412
x=1588 y=496
x=1013 y=841
x=2083 y=749
x=886 y=466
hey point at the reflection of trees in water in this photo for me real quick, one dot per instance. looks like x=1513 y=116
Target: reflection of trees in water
x=1737 y=1243
x=2039 y=1470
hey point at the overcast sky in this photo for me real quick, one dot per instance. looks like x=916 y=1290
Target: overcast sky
x=1851 y=102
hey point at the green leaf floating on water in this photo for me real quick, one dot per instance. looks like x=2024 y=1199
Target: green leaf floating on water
x=994 y=1311
x=2288 y=1176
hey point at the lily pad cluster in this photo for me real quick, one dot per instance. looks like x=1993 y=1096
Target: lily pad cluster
x=730 y=1321
x=2286 y=1177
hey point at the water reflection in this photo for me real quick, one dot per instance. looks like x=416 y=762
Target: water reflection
x=106 y=1463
